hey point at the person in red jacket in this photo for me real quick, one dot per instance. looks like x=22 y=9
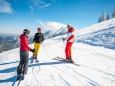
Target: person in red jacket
x=24 y=54
x=70 y=41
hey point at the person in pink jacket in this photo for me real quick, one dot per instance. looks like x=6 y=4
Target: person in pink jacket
x=70 y=41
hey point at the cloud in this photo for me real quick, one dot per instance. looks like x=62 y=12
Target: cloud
x=51 y=25
x=45 y=5
x=5 y=7
x=40 y=4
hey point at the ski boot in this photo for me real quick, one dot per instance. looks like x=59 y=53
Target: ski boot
x=36 y=60
x=32 y=58
x=19 y=76
x=22 y=77
x=70 y=60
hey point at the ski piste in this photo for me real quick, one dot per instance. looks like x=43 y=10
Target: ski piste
x=17 y=81
x=34 y=62
x=63 y=60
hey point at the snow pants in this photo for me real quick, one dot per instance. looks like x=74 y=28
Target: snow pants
x=23 y=65
x=68 y=49
x=37 y=48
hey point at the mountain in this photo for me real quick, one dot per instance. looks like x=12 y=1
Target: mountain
x=53 y=29
x=10 y=41
x=101 y=34
x=97 y=64
x=55 y=33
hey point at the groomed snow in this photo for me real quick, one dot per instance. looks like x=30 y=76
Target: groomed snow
x=97 y=66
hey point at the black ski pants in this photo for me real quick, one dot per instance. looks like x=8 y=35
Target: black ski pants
x=23 y=65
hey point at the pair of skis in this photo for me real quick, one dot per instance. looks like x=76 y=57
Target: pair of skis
x=18 y=80
x=63 y=60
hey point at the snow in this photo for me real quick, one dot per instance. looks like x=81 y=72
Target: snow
x=52 y=26
x=99 y=26
x=97 y=66
x=101 y=34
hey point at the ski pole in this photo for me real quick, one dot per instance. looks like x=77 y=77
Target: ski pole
x=31 y=46
x=63 y=50
x=45 y=50
x=39 y=66
x=34 y=75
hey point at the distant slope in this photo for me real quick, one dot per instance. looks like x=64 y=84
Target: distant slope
x=101 y=34
x=55 y=32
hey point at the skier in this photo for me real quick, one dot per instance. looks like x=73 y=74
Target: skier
x=38 y=39
x=24 y=54
x=70 y=41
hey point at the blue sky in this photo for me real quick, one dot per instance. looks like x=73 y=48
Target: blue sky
x=15 y=15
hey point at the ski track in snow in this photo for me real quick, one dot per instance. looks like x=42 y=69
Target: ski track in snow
x=97 y=68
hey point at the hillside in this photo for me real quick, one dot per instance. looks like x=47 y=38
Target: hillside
x=101 y=34
x=97 y=64
x=97 y=67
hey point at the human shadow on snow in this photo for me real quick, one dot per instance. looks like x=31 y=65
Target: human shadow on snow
x=13 y=69
x=46 y=63
x=8 y=63
x=11 y=79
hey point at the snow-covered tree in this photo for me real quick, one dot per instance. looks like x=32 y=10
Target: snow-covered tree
x=113 y=14
x=103 y=18
x=108 y=17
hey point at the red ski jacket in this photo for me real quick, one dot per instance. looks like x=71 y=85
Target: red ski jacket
x=70 y=35
x=24 y=42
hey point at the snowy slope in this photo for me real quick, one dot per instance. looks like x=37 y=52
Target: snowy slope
x=53 y=29
x=98 y=26
x=56 y=32
x=97 y=63
x=101 y=34
x=97 y=66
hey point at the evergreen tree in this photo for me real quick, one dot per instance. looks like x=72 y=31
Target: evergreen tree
x=113 y=14
x=108 y=17
x=99 y=19
x=103 y=18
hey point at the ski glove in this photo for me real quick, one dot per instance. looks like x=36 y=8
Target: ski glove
x=64 y=39
x=32 y=50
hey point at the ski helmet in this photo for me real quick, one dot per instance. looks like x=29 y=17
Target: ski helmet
x=39 y=29
x=26 y=31
x=69 y=25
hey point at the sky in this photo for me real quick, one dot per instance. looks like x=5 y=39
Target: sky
x=16 y=15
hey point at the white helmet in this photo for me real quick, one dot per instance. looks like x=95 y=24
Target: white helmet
x=68 y=24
